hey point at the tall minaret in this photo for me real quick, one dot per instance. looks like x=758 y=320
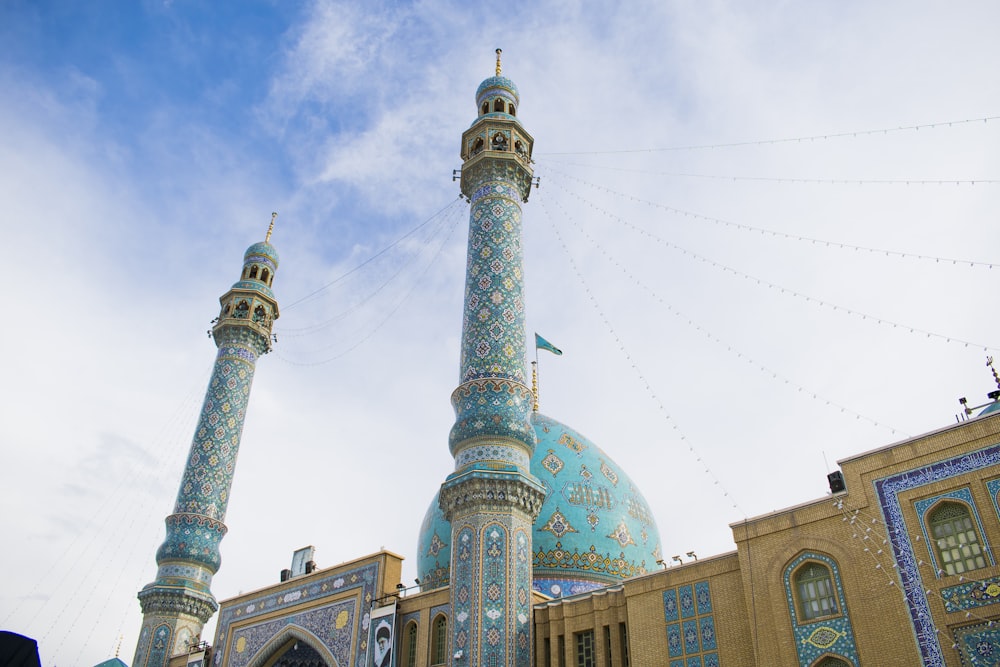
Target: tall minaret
x=177 y=605
x=492 y=498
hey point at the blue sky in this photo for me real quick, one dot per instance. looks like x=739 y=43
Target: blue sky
x=728 y=330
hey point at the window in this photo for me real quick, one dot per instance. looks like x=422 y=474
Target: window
x=585 y=649
x=547 y=647
x=814 y=588
x=486 y=107
x=253 y=272
x=265 y=276
x=498 y=106
x=562 y=651
x=510 y=110
x=607 y=646
x=410 y=644
x=439 y=640
x=623 y=637
x=955 y=538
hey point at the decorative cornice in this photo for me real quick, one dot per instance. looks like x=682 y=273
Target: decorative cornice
x=168 y=601
x=480 y=491
x=502 y=167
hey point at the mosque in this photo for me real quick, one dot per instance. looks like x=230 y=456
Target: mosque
x=538 y=549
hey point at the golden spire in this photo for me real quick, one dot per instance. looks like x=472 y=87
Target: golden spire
x=270 y=228
x=499 y=69
x=534 y=379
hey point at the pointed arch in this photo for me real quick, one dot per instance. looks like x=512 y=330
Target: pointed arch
x=831 y=660
x=409 y=649
x=439 y=640
x=284 y=640
x=955 y=537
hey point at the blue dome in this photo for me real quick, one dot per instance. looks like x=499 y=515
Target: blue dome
x=594 y=529
x=497 y=85
x=989 y=409
x=262 y=249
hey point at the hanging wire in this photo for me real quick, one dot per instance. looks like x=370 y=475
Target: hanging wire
x=631 y=360
x=730 y=348
x=381 y=252
x=789 y=140
x=781 y=179
x=784 y=235
x=783 y=290
x=449 y=218
x=875 y=541
x=388 y=314
x=115 y=536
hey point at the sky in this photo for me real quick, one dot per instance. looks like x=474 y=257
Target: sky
x=764 y=237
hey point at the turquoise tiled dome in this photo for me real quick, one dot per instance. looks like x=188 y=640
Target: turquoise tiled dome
x=496 y=84
x=262 y=249
x=594 y=529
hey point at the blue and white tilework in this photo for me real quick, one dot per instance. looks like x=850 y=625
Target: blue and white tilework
x=189 y=554
x=244 y=630
x=832 y=635
x=969 y=595
x=993 y=486
x=887 y=490
x=691 y=639
x=575 y=551
x=978 y=644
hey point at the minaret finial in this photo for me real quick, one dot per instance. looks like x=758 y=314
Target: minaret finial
x=499 y=68
x=996 y=377
x=270 y=228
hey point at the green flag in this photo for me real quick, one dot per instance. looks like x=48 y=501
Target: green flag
x=542 y=344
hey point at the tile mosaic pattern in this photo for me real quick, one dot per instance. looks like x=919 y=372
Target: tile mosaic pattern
x=569 y=556
x=189 y=554
x=965 y=496
x=832 y=635
x=464 y=618
x=971 y=595
x=244 y=629
x=522 y=608
x=978 y=644
x=691 y=640
x=993 y=486
x=887 y=490
x=493 y=335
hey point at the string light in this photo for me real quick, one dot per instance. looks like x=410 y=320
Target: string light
x=621 y=345
x=386 y=316
x=788 y=140
x=769 y=232
x=701 y=330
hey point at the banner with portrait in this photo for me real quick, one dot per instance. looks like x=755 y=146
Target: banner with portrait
x=381 y=635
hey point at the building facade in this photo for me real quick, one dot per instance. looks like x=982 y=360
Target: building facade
x=538 y=549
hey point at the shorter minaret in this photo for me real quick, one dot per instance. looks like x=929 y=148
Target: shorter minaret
x=177 y=605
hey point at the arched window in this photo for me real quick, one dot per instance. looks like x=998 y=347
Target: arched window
x=439 y=640
x=498 y=106
x=253 y=272
x=510 y=109
x=410 y=644
x=815 y=591
x=486 y=107
x=477 y=146
x=955 y=538
x=831 y=661
x=264 y=275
